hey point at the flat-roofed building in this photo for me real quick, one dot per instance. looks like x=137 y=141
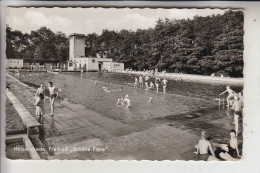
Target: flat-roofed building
x=14 y=63
x=78 y=60
x=113 y=66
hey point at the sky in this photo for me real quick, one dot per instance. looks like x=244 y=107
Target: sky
x=94 y=20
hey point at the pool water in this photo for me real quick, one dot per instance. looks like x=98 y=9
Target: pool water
x=84 y=91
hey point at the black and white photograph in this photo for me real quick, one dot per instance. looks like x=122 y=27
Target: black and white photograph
x=124 y=84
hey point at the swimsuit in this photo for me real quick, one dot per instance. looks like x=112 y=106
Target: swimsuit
x=218 y=151
x=53 y=96
x=239 y=113
x=231 y=152
x=52 y=92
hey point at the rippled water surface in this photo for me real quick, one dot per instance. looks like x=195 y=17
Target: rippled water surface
x=84 y=91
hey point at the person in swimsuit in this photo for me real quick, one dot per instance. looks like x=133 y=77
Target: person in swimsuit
x=105 y=88
x=231 y=94
x=237 y=112
x=40 y=90
x=164 y=83
x=151 y=85
x=157 y=80
x=150 y=100
x=39 y=103
x=128 y=102
x=146 y=81
x=203 y=147
x=141 y=82
x=241 y=101
x=53 y=95
x=119 y=102
x=228 y=152
x=136 y=82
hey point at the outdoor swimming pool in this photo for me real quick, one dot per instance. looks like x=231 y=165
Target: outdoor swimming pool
x=84 y=91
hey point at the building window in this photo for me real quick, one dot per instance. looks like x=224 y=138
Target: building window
x=93 y=61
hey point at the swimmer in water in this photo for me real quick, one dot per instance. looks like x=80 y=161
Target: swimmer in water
x=146 y=79
x=231 y=94
x=157 y=80
x=141 y=82
x=128 y=102
x=119 y=102
x=105 y=88
x=164 y=83
x=136 y=82
x=39 y=103
x=151 y=85
x=150 y=100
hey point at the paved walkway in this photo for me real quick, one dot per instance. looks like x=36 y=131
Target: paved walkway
x=85 y=134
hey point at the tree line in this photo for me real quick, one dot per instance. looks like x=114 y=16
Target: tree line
x=202 y=45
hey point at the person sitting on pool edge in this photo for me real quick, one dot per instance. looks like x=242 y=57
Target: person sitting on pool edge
x=230 y=151
x=203 y=147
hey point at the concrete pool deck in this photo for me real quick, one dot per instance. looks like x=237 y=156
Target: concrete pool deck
x=85 y=134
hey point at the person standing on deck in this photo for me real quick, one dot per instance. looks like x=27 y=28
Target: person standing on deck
x=53 y=95
x=164 y=83
x=40 y=90
x=230 y=95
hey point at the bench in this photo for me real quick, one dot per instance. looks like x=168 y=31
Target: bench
x=28 y=120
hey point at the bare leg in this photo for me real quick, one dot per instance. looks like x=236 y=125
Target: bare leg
x=164 y=89
x=228 y=101
x=230 y=157
x=52 y=106
x=236 y=124
x=226 y=157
